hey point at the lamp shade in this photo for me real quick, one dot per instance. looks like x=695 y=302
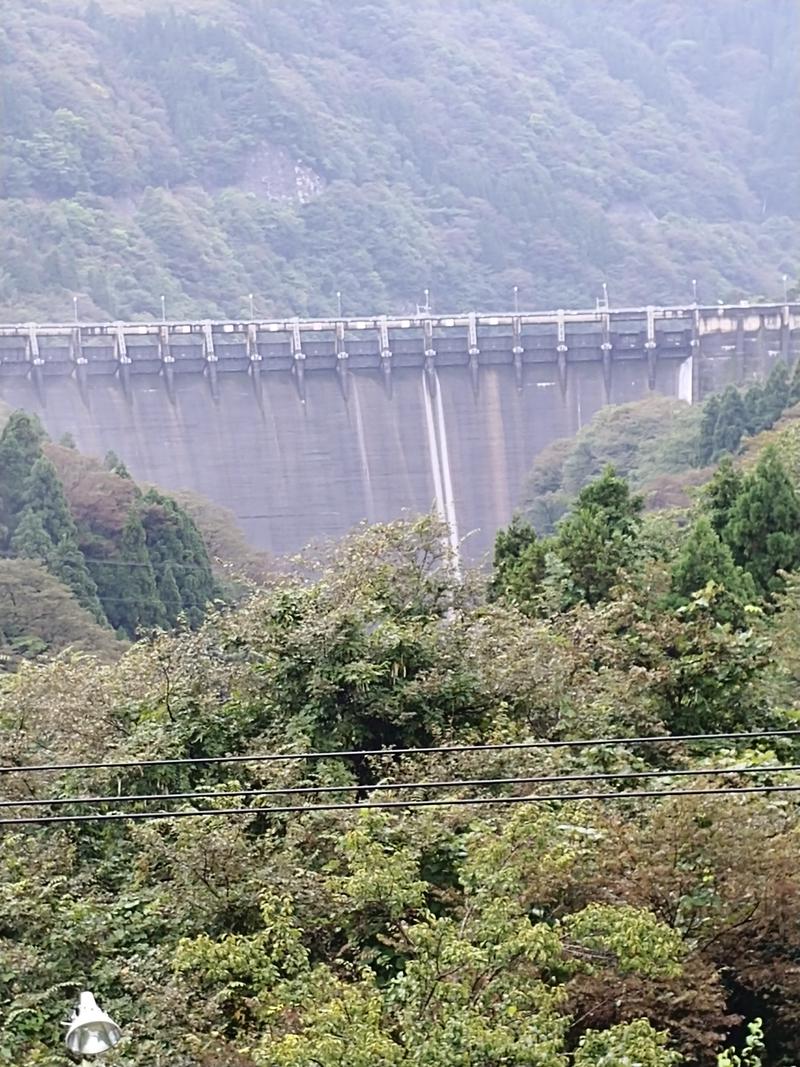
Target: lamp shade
x=91 y=1031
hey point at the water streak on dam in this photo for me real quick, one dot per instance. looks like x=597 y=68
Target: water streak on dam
x=304 y=428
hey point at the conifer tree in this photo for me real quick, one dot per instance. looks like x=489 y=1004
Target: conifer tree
x=794 y=385
x=45 y=495
x=174 y=540
x=20 y=447
x=731 y=423
x=707 y=427
x=775 y=395
x=136 y=603
x=721 y=494
x=519 y=563
x=31 y=540
x=47 y=531
x=754 y=408
x=704 y=558
x=764 y=528
x=598 y=538
x=169 y=594
x=68 y=564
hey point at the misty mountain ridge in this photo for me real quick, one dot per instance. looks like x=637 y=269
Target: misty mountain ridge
x=206 y=152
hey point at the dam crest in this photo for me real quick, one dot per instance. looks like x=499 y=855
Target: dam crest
x=303 y=428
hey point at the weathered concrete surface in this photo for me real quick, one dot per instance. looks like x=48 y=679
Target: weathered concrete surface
x=299 y=456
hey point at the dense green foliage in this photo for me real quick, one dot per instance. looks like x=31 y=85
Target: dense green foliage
x=744 y=538
x=130 y=559
x=205 y=152
x=661 y=446
x=572 y=934
x=647 y=443
x=736 y=414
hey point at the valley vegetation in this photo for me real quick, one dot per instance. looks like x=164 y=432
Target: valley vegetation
x=87 y=557
x=557 y=933
x=205 y=152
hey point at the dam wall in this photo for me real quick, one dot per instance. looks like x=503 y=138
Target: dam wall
x=305 y=428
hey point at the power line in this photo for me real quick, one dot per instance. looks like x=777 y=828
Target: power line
x=283 y=757
x=388 y=805
x=354 y=787
x=111 y=562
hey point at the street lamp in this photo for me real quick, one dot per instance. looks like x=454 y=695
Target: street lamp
x=251 y=298
x=163 y=308
x=605 y=295
x=338 y=304
x=75 y=307
x=91 y=1032
x=694 y=290
x=786 y=288
x=516 y=299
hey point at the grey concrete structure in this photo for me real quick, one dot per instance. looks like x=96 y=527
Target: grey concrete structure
x=305 y=428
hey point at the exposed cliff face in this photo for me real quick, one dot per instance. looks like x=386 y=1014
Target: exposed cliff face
x=293 y=151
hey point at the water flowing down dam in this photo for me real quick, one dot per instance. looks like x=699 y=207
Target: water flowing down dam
x=305 y=428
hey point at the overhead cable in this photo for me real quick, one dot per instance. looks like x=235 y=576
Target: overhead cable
x=388 y=805
x=283 y=757
x=355 y=787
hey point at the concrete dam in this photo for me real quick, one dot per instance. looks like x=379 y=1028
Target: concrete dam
x=305 y=428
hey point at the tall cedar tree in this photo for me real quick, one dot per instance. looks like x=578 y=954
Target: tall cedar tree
x=721 y=495
x=764 y=528
x=169 y=594
x=731 y=423
x=173 y=540
x=775 y=396
x=707 y=427
x=30 y=539
x=20 y=447
x=47 y=531
x=704 y=558
x=137 y=603
x=519 y=563
x=598 y=538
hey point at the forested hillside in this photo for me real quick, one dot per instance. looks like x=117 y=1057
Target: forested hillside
x=598 y=931
x=86 y=552
x=205 y=152
x=662 y=447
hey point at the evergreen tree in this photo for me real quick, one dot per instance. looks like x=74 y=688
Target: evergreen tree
x=707 y=427
x=706 y=559
x=721 y=495
x=775 y=396
x=794 y=385
x=30 y=539
x=68 y=564
x=169 y=595
x=114 y=464
x=764 y=528
x=136 y=603
x=598 y=538
x=754 y=408
x=519 y=563
x=173 y=539
x=731 y=423
x=45 y=495
x=47 y=531
x=20 y=447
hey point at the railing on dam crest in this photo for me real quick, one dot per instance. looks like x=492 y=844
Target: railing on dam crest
x=749 y=335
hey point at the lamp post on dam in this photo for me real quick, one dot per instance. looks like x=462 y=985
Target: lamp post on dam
x=728 y=343
x=303 y=428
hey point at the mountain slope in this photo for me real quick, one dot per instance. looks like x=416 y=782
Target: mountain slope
x=378 y=149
